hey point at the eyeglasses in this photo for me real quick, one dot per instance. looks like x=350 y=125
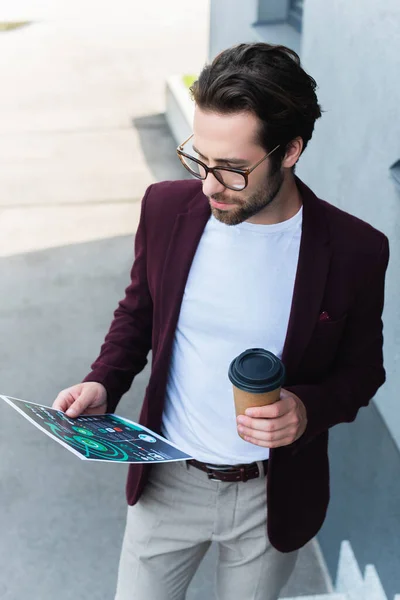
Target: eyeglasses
x=233 y=179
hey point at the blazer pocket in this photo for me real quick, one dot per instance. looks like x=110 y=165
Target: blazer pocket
x=330 y=328
x=323 y=346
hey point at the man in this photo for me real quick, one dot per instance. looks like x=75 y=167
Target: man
x=244 y=256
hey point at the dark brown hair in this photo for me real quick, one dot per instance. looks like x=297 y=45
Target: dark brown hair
x=267 y=80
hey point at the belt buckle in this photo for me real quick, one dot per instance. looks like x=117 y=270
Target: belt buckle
x=240 y=469
x=211 y=476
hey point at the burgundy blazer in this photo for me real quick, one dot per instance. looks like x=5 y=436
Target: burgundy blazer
x=332 y=352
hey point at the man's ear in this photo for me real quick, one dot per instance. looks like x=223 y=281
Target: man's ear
x=293 y=151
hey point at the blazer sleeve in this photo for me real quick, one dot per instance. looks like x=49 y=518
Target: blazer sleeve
x=126 y=346
x=358 y=372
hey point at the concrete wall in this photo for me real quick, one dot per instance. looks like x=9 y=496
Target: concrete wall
x=352 y=49
x=236 y=21
x=365 y=498
x=353 y=52
x=230 y=23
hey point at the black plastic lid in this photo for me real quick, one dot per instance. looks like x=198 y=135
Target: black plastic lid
x=257 y=371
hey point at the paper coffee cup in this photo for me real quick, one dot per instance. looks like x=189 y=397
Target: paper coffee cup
x=257 y=376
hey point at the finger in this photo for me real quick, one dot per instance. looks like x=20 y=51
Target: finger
x=277 y=444
x=266 y=424
x=76 y=409
x=81 y=403
x=272 y=411
x=87 y=401
x=63 y=401
x=265 y=436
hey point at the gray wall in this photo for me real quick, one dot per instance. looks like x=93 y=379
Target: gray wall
x=352 y=49
x=365 y=498
x=230 y=23
x=353 y=52
x=236 y=21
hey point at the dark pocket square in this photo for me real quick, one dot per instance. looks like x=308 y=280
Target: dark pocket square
x=324 y=316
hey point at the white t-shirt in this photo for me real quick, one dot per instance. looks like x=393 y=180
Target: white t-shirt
x=238 y=296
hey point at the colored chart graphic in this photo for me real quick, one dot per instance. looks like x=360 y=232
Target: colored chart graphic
x=99 y=437
x=88 y=443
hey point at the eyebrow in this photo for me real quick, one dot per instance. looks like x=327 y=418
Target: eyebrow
x=232 y=161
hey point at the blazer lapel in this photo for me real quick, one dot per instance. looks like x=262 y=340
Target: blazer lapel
x=312 y=271
x=185 y=237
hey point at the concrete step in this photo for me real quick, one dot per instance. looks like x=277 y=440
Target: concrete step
x=332 y=596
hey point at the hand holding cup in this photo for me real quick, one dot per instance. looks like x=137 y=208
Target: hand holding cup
x=266 y=414
x=257 y=376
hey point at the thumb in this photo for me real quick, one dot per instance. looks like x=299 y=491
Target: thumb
x=80 y=404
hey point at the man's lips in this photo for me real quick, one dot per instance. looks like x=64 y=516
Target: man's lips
x=220 y=205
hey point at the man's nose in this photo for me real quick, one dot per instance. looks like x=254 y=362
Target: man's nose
x=211 y=185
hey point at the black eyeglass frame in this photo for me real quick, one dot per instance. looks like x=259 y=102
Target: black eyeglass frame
x=215 y=170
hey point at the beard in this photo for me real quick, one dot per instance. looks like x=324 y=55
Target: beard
x=247 y=208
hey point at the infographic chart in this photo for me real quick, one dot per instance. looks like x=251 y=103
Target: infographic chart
x=99 y=437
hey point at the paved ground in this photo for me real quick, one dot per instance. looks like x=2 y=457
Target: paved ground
x=73 y=86
x=82 y=135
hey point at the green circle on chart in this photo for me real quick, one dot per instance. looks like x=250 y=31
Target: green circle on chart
x=82 y=430
x=91 y=443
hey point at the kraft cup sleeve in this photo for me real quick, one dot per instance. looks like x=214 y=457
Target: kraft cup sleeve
x=244 y=400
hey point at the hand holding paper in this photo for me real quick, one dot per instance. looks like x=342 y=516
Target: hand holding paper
x=89 y=398
x=104 y=437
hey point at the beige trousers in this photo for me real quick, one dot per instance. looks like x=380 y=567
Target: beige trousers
x=177 y=517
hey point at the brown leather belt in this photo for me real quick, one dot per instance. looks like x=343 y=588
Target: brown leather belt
x=230 y=473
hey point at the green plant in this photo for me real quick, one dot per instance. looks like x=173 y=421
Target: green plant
x=188 y=80
x=9 y=25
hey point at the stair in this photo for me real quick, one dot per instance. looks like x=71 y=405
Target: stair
x=351 y=584
x=332 y=596
x=350 y=581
